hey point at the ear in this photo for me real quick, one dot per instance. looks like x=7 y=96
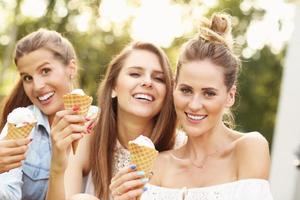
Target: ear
x=231 y=96
x=72 y=68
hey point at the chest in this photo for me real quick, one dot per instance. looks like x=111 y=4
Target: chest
x=213 y=171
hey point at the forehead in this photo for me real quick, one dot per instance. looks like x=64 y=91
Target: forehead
x=201 y=73
x=35 y=59
x=143 y=58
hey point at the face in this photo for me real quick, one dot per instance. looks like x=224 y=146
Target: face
x=200 y=97
x=45 y=80
x=140 y=86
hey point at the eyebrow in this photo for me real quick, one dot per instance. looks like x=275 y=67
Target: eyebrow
x=142 y=68
x=202 y=89
x=41 y=65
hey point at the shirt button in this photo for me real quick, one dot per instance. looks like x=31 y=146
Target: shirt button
x=35 y=174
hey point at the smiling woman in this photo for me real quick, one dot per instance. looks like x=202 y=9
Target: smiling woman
x=46 y=62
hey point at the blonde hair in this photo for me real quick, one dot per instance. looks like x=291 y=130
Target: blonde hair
x=215 y=43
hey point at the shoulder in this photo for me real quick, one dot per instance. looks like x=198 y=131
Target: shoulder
x=252 y=153
x=159 y=169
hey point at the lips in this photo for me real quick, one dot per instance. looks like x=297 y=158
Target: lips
x=143 y=96
x=194 y=117
x=45 y=97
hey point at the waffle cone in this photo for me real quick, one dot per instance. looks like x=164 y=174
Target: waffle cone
x=19 y=133
x=83 y=102
x=143 y=157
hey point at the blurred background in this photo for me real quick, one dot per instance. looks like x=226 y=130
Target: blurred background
x=99 y=29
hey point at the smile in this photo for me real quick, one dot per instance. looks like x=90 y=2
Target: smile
x=195 y=117
x=46 y=96
x=145 y=97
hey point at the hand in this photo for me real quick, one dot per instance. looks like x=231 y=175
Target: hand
x=128 y=184
x=12 y=152
x=67 y=127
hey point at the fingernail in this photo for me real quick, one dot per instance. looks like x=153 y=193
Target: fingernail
x=91 y=126
x=145 y=189
x=140 y=173
x=76 y=108
x=145 y=180
x=133 y=167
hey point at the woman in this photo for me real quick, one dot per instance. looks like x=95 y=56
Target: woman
x=217 y=162
x=47 y=65
x=135 y=97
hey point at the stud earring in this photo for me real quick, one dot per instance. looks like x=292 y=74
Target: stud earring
x=113 y=94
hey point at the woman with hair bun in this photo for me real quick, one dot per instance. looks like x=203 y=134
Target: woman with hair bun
x=217 y=162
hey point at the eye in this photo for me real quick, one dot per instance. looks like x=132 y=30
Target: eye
x=134 y=74
x=159 y=79
x=209 y=94
x=45 y=71
x=186 y=91
x=26 y=78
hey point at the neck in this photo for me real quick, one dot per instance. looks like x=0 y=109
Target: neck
x=130 y=128
x=208 y=143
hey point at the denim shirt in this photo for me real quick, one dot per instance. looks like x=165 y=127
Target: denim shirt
x=30 y=181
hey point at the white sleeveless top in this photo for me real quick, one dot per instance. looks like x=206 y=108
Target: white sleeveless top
x=122 y=159
x=246 y=189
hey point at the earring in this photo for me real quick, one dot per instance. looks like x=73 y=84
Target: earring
x=113 y=94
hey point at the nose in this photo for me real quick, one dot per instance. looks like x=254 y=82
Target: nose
x=147 y=82
x=38 y=83
x=195 y=103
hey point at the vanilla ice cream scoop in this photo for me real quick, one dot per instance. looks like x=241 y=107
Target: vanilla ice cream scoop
x=78 y=91
x=21 y=116
x=143 y=141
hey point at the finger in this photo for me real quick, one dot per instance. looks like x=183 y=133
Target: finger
x=64 y=144
x=126 y=179
x=14 y=142
x=124 y=170
x=12 y=159
x=66 y=120
x=6 y=168
x=13 y=151
x=71 y=129
x=61 y=114
x=130 y=185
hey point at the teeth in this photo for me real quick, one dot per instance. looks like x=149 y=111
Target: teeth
x=196 y=117
x=143 y=96
x=46 y=96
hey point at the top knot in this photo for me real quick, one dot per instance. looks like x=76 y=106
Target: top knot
x=218 y=29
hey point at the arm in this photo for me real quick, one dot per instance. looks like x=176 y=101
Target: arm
x=66 y=128
x=253 y=157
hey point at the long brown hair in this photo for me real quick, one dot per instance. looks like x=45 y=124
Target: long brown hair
x=214 y=43
x=106 y=130
x=42 y=38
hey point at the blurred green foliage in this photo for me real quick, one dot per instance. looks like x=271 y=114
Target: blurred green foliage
x=259 y=80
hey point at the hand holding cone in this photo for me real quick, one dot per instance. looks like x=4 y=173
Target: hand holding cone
x=143 y=156
x=83 y=102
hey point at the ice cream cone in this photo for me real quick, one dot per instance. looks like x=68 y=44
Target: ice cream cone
x=19 y=132
x=83 y=102
x=143 y=157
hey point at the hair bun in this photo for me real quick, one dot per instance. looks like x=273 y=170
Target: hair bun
x=218 y=29
x=221 y=23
